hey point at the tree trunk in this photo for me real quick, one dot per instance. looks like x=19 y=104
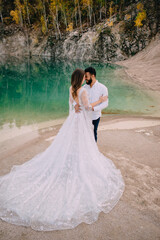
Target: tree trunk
x=105 y=6
x=44 y=14
x=1 y=11
x=26 y=1
x=57 y=22
x=157 y=11
x=94 y=19
x=75 y=12
x=21 y=18
x=90 y=14
x=1 y=17
x=65 y=18
x=100 y=14
x=80 y=20
x=54 y=25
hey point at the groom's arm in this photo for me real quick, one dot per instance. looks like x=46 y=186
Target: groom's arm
x=103 y=104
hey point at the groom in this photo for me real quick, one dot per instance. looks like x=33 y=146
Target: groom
x=95 y=91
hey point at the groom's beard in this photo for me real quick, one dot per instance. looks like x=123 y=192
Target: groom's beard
x=88 y=82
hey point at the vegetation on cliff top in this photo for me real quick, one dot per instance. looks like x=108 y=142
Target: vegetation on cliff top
x=65 y=15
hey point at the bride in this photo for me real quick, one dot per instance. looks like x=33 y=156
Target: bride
x=70 y=182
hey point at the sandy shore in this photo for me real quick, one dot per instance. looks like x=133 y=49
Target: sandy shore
x=133 y=144
x=144 y=67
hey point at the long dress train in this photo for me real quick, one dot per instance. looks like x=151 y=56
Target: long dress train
x=69 y=183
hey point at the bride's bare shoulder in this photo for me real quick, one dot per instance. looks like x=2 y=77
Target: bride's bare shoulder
x=70 y=90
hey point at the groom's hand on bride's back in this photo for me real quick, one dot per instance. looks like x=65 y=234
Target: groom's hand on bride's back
x=77 y=108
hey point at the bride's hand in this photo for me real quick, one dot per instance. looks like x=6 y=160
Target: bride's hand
x=103 y=98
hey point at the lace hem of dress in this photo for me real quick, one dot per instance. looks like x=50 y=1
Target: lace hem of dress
x=88 y=218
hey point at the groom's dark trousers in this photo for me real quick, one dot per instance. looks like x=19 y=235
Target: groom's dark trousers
x=95 y=123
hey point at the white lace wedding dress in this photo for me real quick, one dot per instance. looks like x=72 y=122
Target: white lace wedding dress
x=69 y=183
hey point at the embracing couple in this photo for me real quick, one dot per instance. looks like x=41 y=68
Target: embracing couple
x=97 y=94
x=71 y=181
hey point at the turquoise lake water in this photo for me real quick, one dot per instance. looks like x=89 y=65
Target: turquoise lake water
x=37 y=90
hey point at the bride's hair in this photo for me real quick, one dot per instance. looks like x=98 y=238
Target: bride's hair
x=76 y=80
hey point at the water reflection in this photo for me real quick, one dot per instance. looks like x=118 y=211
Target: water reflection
x=36 y=89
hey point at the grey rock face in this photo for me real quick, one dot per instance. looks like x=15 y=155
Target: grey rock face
x=97 y=43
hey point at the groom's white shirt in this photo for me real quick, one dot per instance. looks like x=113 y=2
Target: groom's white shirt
x=94 y=93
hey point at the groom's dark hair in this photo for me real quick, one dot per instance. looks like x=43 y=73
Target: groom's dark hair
x=91 y=70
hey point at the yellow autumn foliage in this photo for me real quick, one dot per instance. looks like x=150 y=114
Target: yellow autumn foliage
x=43 y=25
x=127 y=16
x=35 y=40
x=23 y=10
x=86 y=2
x=70 y=27
x=53 y=5
x=111 y=9
x=139 y=6
x=110 y=24
x=140 y=17
x=15 y=16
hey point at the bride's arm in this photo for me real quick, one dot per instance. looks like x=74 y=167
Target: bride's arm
x=71 y=102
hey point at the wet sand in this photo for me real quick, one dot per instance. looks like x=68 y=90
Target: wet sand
x=133 y=144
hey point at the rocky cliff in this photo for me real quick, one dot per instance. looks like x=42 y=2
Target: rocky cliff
x=110 y=40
